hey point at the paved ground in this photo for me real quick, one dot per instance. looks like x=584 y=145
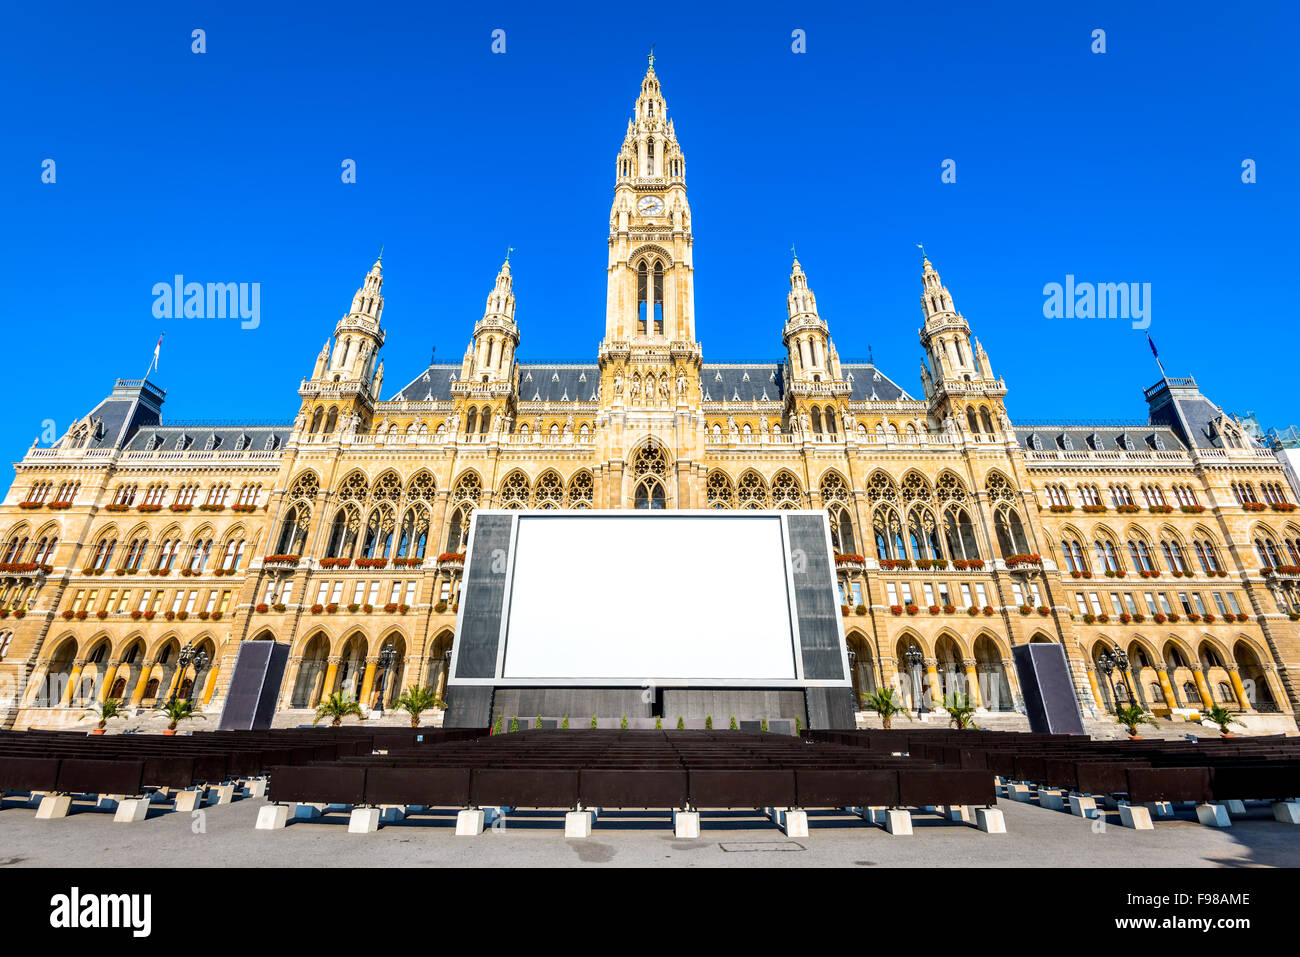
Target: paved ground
x=225 y=835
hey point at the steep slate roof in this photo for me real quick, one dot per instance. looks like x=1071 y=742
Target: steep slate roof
x=133 y=404
x=1080 y=438
x=578 y=382
x=1197 y=411
x=225 y=438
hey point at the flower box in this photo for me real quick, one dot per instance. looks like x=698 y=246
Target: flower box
x=1159 y=618
x=390 y=608
x=367 y=608
x=262 y=608
x=440 y=607
x=1192 y=509
x=988 y=610
x=1103 y=619
x=291 y=560
x=59 y=505
x=30 y=504
x=1016 y=560
x=407 y=562
x=336 y=563
x=892 y=564
x=1208 y=618
x=1125 y=617
x=204 y=615
x=149 y=615
x=353 y=607
x=1160 y=509
x=1044 y=610
x=934 y=609
x=80 y=616
x=372 y=563
x=180 y=508
x=101 y=614
x=67 y=615
x=844 y=610
x=1126 y=509
x=403 y=609
x=1282 y=507
x=216 y=616
x=1173 y=616
x=1293 y=616
x=911 y=609
x=212 y=508
x=1193 y=616
x=949 y=609
x=182 y=615
x=331 y=608
x=1254 y=506
x=973 y=610
x=169 y=615
x=452 y=557
x=278 y=606
x=137 y=615
x=896 y=609
x=928 y=563
x=968 y=564
x=317 y=609
x=116 y=508
x=849 y=559
x=1090 y=618
x=1061 y=508
x=1242 y=616
x=1026 y=610
x=243 y=508
x=861 y=609
x=1094 y=509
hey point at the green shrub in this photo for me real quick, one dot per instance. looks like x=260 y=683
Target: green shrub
x=593 y=721
x=681 y=723
x=496 y=728
x=514 y=723
x=659 y=724
x=733 y=726
x=623 y=723
x=708 y=722
x=539 y=722
x=565 y=724
x=764 y=726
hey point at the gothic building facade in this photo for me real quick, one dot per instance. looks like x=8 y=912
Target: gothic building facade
x=136 y=556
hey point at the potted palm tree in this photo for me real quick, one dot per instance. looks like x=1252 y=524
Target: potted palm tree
x=961 y=712
x=1131 y=716
x=416 y=700
x=178 y=710
x=1221 y=716
x=887 y=703
x=337 y=707
x=104 y=710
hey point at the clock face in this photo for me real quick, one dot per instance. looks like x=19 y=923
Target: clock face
x=650 y=206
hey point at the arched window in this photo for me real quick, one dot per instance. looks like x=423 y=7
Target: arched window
x=485 y=420
x=1141 y=555
x=415 y=533
x=970 y=421
x=642 y=298
x=816 y=419
x=960 y=534
x=343 y=533
x=471 y=422
x=650 y=495
x=1010 y=532
x=889 y=533
x=986 y=420
x=331 y=421
x=1106 y=556
x=316 y=419
x=842 y=530
x=658 y=326
x=923 y=534
x=379 y=534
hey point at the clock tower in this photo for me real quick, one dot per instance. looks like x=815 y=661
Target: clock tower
x=650 y=303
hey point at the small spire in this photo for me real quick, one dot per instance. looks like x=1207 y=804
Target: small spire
x=509 y=250
x=924 y=257
x=794 y=254
x=651 y=56
x=871 y=358
x=381 y=253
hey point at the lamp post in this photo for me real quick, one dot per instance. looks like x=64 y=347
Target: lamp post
x=189 y=656
x=914 y=660
x=853 y=678
x=386 y=659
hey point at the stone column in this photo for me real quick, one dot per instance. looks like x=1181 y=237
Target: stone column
x=1203 y=689
x=368 y=681
x=141 y=683
x=932 y=680
x=107 y=685
x=74 y=678
x=331 y=675
x=1166 y=686
x=1238 y=688
x=973 y=684
x=1096 y=690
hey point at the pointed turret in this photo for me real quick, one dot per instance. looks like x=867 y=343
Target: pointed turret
x=491 y=353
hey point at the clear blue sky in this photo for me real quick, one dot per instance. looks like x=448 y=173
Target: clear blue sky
x=226 y=167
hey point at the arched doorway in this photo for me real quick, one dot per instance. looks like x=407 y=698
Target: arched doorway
x=439 y=663
x=310 y=681
x=388 y=677
x=862 y=668
x=911 y=672
x=952 y=673
x=58 y=675
x=1254 y=679
x=352 y=667
x=995 y=689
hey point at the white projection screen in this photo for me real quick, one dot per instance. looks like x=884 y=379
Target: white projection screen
x=642 y=597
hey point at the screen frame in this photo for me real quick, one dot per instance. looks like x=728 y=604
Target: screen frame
x=796 y=648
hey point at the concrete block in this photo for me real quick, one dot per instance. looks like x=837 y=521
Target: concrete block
x=364 y=820
x=989 y=820
x=1018 y=792
x=109 y=802
x=469 y=822
x=578 y=824
x=223 y=794
x=131 y=810
x=392 y=813
x=876 y=815
x=54 y=805
x=1160 y=808
x=1235 y=807
x=1083 y=806
x=272 y=817
x=189 y=799
x=686 y=824
x=256 y=788
x=1135 y=816
x=1051 y=799
x=898 y=822
x=960 y=813
x=794 y=823
x=1287 y=812
x=306 y=812
x=1213 y=815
